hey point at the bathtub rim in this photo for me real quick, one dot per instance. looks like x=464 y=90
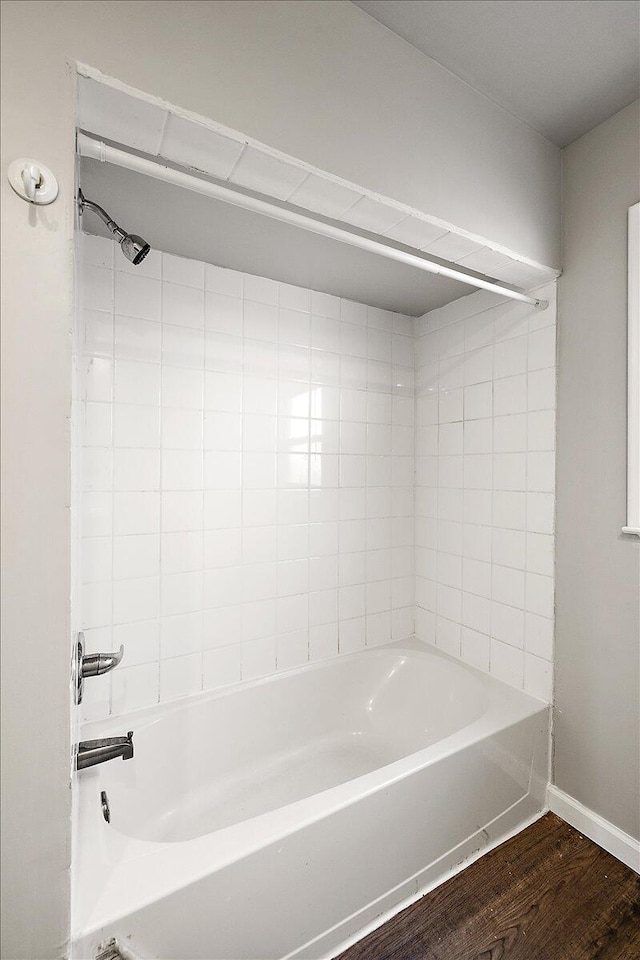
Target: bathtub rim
x=145 y=716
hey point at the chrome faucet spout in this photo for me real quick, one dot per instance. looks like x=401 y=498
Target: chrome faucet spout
x=91 y=752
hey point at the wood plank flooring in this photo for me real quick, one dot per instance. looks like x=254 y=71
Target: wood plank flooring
x=547 y=894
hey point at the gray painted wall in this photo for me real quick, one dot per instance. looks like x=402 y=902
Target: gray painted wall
x=597 y=717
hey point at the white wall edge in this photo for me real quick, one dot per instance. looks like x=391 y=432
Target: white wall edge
x=615 y=841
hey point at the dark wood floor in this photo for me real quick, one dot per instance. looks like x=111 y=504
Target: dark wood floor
x=548 y=894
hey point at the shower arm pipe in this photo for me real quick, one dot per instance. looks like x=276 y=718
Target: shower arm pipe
x=111 y=225
x=97 y=150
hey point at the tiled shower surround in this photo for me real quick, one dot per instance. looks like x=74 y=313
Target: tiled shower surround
x=485 y=475
x=244 y=474
x=247 y=492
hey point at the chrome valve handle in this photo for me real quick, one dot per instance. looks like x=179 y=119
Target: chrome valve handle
x=95 y=664
x=92 y=665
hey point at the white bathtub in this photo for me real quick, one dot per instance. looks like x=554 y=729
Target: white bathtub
x=281 y=818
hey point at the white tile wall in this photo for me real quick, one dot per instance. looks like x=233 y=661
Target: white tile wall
x=245 y=476
x=485 y=474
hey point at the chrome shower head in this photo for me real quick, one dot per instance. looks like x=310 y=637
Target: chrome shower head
x=134 y=247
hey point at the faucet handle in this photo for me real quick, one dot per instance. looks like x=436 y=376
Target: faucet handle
x=91 y=665
x=95 y=664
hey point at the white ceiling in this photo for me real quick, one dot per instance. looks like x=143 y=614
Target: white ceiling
x=561 y=66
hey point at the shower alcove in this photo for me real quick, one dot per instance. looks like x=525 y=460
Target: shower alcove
x=313 y=499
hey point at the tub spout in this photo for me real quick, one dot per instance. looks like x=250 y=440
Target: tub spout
x=91 y=752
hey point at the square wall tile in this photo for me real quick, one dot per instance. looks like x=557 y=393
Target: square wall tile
x=323 y=196
x=137 y=296
x=373 y=215
x=452 y=247
x=414 y=232
x=115 y=115
x=267 y=174
x=199 y=146
x=221 y=667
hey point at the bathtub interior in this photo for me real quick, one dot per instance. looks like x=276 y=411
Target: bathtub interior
x=226 y=758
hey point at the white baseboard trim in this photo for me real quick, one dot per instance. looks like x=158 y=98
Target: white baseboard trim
x=601 y=831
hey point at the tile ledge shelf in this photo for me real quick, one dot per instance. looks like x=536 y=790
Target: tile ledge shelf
x=481 y=254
